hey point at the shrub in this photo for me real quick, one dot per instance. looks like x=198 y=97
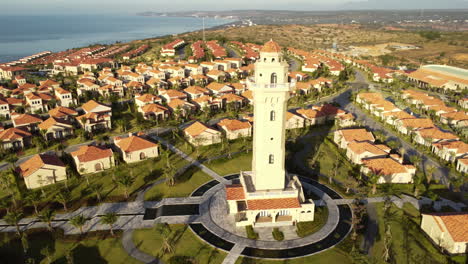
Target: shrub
x=277 y=234
x=251 y=233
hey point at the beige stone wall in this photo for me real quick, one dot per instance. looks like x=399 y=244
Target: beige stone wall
x=205 y=139
x=440 y=238
x=45 y=176
x=135 y=156
x=294 y=123
x=247 y=132
x=90 y=166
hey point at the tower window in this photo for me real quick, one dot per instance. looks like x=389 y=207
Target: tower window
x=273 y=60
x=273 y=78
x=264 y=60
x=272 y=116
x=271 y=159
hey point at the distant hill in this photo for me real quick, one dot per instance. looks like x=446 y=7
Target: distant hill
x=404 y=4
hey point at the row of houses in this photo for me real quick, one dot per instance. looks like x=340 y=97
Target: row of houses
x=201 y=134
x=315 y=60
x=361 y=149
x=60 y=124
x=45 y=169
x=446 y=115
x=444 y=144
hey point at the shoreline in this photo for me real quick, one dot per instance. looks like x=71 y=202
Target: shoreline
x=8 y=58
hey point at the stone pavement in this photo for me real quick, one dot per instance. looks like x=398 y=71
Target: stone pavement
x=133 y=251
x=234 y=254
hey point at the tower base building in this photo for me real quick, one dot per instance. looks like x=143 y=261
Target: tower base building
x=268 y=196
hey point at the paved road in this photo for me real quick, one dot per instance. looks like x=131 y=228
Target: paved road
x=232 y=53
x=442 y=173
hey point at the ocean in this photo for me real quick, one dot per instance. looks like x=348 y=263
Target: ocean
x=25 y=35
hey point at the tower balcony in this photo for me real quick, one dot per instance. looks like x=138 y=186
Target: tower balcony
x=284 y=87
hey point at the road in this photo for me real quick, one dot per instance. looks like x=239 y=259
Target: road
x=442 y=173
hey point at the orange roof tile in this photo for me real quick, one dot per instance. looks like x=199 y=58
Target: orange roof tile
x=271 y=47
x=436 y=134
x=361 y=147
x=134 y=143
x=26 y=119
x=235 y=192
x=234 y=124
x=90 y=153
x=456 y=224
x=417 y=123
x=359 y=134
x=153 y=108
x=196 y=129
x=385 y=166
x=52 y=121
x=38 y=161
x=270 y=204
x=13 y=134
x=61 y=111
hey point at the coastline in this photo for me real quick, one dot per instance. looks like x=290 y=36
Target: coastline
x=20 y=49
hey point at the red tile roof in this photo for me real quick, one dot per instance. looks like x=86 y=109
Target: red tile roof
x=456 y=224
x=270 y=204
x=38 y=161
x=235 y=192
x=134 y=143
x=90 y=153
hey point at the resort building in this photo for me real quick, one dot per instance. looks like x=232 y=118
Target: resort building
x=343 y=137
x=200 y=135
x=234 y=128
x=42 y=170
x=14 y=138
x=91 y=159
x=268 y=195
x=136 y=148
x=447 y=230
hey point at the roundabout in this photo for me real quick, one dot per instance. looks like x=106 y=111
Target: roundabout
x=216 y=227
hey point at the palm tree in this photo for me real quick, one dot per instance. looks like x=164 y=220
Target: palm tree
x=47 y=252
x=33 y=198
x=417 y=180
x=96 y=188
x=63 y=198
x=125 y=182
x=338 y=163
x=109 y=219
x=416 y=160
x=373 y=178
x=13 y=218
x=169 y=175
x=429 y=174
x=9 y=185
x=47 y=216
x=78 y=221
x=165 y=230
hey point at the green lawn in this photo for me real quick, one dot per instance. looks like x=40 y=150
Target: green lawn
x=184 y=243
x=143 y=173
x=333 y=255
x=185 y=184
x=100 y=250
x=320 y=219
x=409 y=244
x=235 y=164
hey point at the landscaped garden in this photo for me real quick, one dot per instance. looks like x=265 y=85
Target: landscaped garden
x=174 y=243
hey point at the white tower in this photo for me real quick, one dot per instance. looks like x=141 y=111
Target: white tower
x=270 y=92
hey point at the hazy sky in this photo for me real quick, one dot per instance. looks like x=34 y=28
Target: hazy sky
x=132 y=6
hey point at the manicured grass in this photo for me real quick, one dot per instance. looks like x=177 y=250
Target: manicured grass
x=320 y=219
x=185 y=184
x=143 y=173
x=237 y=163
x=409 y=243
x=184 y=243
x=333 y=255
x=101 y=249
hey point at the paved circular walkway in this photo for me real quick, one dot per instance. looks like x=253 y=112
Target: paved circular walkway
x=216 y=228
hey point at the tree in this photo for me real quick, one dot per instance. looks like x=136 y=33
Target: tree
x=78 y=221
x=8 y=184
x=125 y=181
x=165 y=230
x=47 y=252
x=169 y=176
x=13 y=218
x=416 y=160
x=47 y=216
x=33 y=198
x=96 y=188
x=338 y=163
x=109 y=219
x=373 y=178
x=417 y=180
x=429 y=174
x=63 y=197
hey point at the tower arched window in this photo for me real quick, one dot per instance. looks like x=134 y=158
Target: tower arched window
x=273 y=60
x=264 y=59
x=274 y=78
x=272 y=116
x=271 y=159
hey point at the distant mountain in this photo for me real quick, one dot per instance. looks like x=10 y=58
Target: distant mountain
x=405 y=4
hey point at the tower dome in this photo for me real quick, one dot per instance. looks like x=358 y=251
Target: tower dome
x=270 y=47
